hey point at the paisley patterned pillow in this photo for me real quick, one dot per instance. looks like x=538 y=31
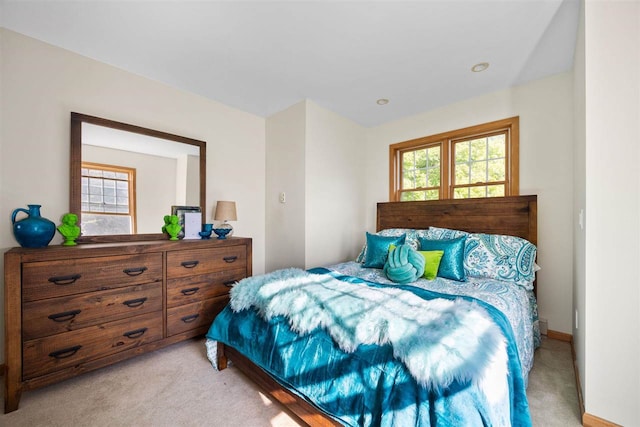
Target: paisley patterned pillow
x=494 y=256
x=501 y=257
x=437 y=233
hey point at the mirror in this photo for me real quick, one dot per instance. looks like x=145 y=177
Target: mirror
x=130 y=179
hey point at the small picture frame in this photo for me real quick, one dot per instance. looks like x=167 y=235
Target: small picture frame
x=180 y=211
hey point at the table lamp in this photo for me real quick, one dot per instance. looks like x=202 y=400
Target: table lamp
x=225 y=211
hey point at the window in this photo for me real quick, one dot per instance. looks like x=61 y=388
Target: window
x=107 y=199
x=479 y=161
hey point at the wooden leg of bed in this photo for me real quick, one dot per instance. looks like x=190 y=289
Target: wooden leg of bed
x=222 y=358
x=299 y=408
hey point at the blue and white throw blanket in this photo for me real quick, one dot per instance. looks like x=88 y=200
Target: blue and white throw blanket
x=451 y=361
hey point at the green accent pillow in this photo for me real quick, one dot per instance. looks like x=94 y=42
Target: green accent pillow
x=431 y=263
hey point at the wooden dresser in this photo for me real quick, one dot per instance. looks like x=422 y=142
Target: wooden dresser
x=70 y=310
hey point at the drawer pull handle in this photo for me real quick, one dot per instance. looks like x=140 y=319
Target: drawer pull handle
x=230 y=283
x=230 y=259
x=189 y=291
x=63 y=317
x=64 y=280
x=135 y=334
x=190 y=318
x=134 y=271
x=65 y=352
x=189 y=264
x=135 y=302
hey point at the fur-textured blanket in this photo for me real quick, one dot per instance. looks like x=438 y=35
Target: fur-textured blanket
x=439 y=340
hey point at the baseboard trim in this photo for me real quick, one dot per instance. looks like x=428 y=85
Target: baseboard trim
x=589 y=420
x=560 y=336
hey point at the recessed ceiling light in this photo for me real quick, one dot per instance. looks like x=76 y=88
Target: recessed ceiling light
x=480 y=67
x=382 y=101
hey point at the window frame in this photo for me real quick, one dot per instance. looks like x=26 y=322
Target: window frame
x=131 y=172
x=446 y=142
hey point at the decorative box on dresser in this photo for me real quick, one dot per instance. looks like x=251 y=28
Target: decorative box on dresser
x=70 y=310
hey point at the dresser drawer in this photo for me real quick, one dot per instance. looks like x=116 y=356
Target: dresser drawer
x=48 y=279
x=201 y=261
x=45 y=355
x=195 y=315
x=52 y=316
x=185 y=290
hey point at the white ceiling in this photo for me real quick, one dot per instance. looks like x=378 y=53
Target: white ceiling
x=263 y=56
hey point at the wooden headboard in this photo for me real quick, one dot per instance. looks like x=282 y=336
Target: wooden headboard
x=515 y=215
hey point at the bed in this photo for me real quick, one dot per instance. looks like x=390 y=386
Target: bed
x=345 y=345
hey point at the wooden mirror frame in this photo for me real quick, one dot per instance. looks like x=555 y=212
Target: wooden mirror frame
x=76 y=172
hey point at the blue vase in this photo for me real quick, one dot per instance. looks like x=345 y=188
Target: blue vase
x=33 y=231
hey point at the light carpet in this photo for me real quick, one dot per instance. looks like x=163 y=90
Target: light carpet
x=177 y=386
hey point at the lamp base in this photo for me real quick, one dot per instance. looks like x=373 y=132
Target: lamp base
x=223 y=230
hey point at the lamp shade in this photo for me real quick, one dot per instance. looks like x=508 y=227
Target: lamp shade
x=225 y=211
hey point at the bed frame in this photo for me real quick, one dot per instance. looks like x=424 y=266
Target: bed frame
x=515 y=215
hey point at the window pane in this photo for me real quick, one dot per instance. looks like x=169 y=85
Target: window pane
x=408 y=180
x=421 y=178
x=461 y=193
x=98 y=224
x=122 y=201
x=462 y=152
x=408 y=160
x=475 y=192
x=432 y=194
x=479 y=149
x=433 y=155
x=463 y=175
x=433 y=177
x=496 y=170
x=421 y=159
x=109 y=174
x=478 y=172
x=410 y=196
x=495 y=191
x=497 y=146
x=419 y=195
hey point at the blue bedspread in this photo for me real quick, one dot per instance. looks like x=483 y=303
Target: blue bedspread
x=369 y=387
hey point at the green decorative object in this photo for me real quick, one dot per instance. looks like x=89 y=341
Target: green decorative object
x=172 y=228
x=69 y=229
x=167 y=221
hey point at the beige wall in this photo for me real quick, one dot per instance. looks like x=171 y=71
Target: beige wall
x=612 y=243
x=546 y=169
x=313 y=155
x=41 y=84
x=334 y=196
x=285 y=222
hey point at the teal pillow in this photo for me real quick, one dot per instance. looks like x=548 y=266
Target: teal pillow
x=452 y=262
x=378 y=249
